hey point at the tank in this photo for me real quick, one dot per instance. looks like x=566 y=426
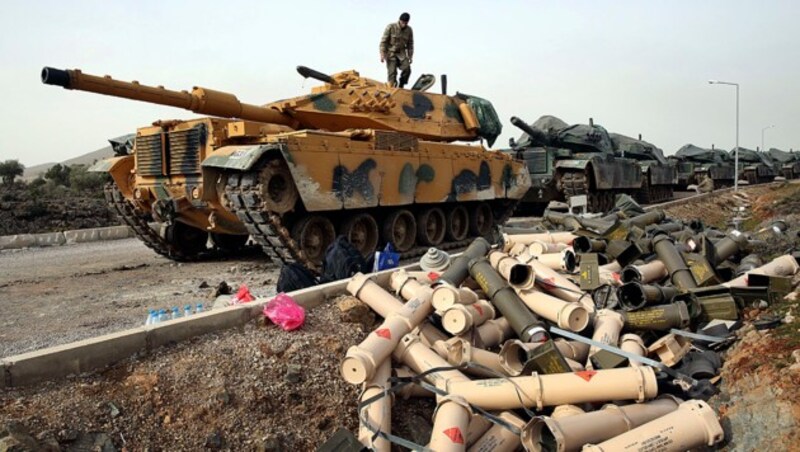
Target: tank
x=659 y=175
x=569 y=160
x=787 y=163
x=354 y=157
x=696 y=164
x=754 y=166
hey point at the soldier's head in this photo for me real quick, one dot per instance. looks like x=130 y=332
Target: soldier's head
x=404 y=18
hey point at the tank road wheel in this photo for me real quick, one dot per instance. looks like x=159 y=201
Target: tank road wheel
x=229 y=242
x=481 y=220
x=457 y=223
x=187 y=239
x=431 y=226
x=313 y=234
x=277 y=187
x=400 y=229
x=362 y=231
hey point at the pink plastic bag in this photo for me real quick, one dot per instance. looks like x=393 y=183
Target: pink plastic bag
x=243 y=295
x=283 y=311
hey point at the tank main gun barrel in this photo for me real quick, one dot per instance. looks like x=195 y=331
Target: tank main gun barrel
x=200 y=100
x=536 y=136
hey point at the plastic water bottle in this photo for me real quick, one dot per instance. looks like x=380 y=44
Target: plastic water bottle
x=187 y=310
x=151 y=317
x=162 y=316
x=176 y=313
x=199 y=308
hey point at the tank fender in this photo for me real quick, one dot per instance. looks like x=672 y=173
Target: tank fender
x=119 y=168
x=572 y=164
x=240 y=158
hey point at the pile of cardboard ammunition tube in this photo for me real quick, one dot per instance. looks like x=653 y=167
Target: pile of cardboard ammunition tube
x=603 y=336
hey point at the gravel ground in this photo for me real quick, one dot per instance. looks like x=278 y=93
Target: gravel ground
x=56 y=295
x=254 y=388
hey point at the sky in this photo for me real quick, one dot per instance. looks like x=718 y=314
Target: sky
x=634 y=67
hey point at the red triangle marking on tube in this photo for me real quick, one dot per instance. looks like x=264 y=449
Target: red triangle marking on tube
x=454 y=433
x=549 y=282
x=478 y=308
x=616 y=276
x=433 y=276
x=586 y=374
x=384 y=333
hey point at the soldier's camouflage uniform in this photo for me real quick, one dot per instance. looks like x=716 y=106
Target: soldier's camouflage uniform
x=397 y=48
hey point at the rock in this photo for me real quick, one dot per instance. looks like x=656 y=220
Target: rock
x=354 y=310
x=67 y=435
x=763 y=304
x=269 y=444
x=224 y=397
x=221 y=301
x=203 y=285
x=223 y=289
x=215 y=440
x=788 y=319
x=95 y=441
x=792 y=296
x=113 y=410
x=417 y=429
x=14 y=437
x=796 y=356
x=294 y=373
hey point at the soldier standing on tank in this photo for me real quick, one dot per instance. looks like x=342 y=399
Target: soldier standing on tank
x=397 y=50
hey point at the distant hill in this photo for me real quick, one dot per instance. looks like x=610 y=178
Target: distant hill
x=85 y=159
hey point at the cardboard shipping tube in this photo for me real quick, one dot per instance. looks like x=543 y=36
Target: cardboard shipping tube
x=563 y=411
x=680 y=275
x=445 y=296
x=780 y=266
x=546 y=237
x=652 y=271
x=499 y=438
x=515 y=249
x=611 y=267
x=429 y=334
x=632 y=343
x=574 y=350
x=607 y=326
x=492 y=333
x=478 y=425
x=527 y=326
x=362 y=361
x=538 y=248
x=564 y=261
x=461 y=352
x=412 y=389
x=624 y=383
x=373 y=295
x=574 y=365
x=570 y=433
x=569 y=316
x=406 y=286
x=458 y=272
x=555 y=284
x=450 y=423
x=378 y=413
x=518 y=275
x=420 y=358
x=421 y=276
x=461 y=318
x=692 y=425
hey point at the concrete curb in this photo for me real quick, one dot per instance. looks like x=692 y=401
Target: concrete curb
x=95 y=353
x=18 y=241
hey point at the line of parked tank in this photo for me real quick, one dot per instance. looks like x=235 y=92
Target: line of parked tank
x=584 y=159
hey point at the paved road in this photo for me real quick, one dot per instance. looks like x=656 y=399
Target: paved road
x=56 y=295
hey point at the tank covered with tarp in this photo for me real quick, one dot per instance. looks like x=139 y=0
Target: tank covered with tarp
x=571 y=160
x=754 y=166
x=659 y=174
x=786 y=163
x=695 y=164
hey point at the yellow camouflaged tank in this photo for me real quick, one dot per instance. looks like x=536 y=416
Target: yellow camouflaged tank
x=355 y=157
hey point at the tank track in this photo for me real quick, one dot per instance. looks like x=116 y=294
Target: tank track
x=576 y=183
x=243 y=191
x=650 y=194
x=138 y=222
